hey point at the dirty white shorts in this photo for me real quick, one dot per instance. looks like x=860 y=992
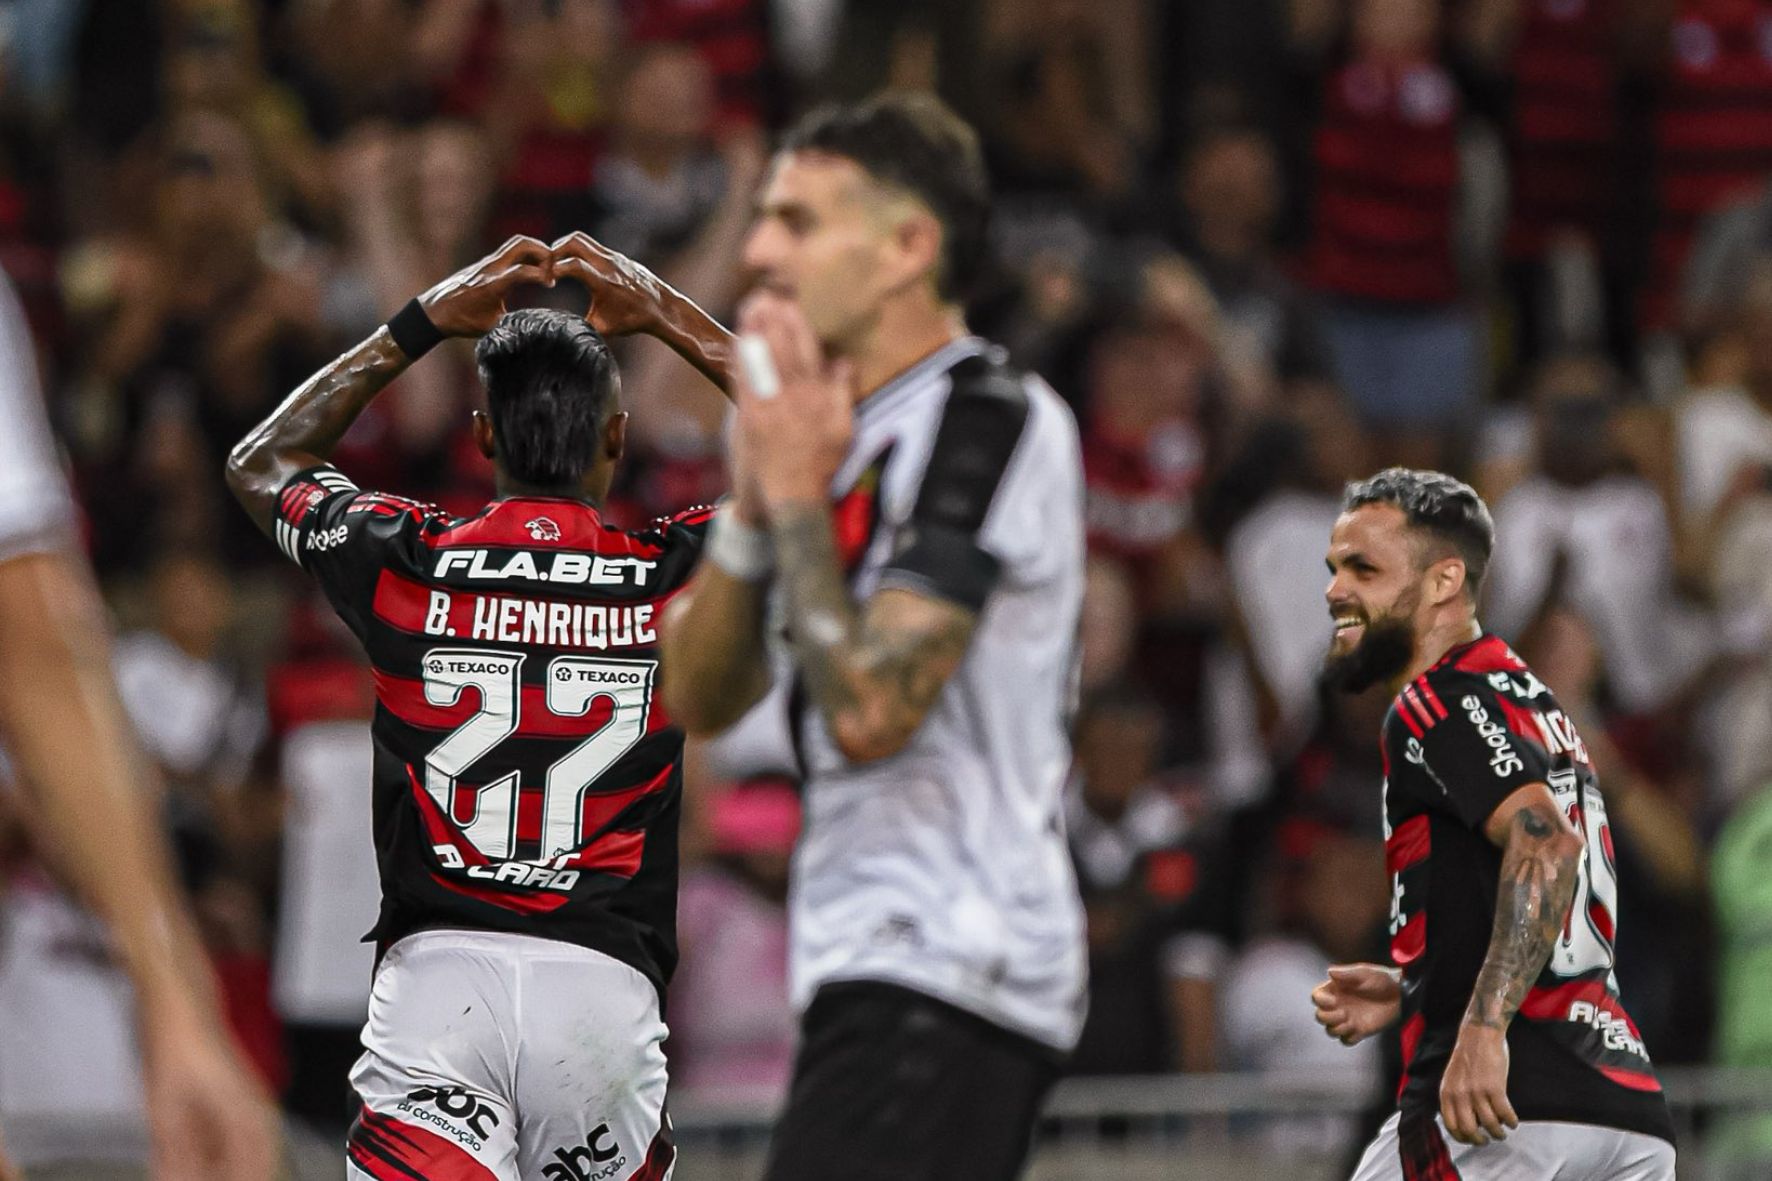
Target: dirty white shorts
x=493 y=1057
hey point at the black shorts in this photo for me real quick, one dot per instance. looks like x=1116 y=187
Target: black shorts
x=893 y=1085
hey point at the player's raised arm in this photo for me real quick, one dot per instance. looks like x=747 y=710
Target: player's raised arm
x=1540 y=860
x=627 y=298
x=305 y=429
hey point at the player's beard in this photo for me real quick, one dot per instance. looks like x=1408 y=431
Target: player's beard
x=1384 y=651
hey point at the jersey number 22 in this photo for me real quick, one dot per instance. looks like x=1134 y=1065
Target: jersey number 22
x=574 y=684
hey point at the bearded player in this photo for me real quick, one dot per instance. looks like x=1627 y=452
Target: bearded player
x=527 y=785
x=1519 y=1060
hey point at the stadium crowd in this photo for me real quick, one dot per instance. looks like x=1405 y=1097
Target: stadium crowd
x=1260 y=248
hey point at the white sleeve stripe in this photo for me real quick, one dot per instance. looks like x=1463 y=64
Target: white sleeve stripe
x=286 y=539
x=334 y=483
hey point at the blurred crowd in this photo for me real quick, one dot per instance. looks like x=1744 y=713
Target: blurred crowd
x=1261 y=246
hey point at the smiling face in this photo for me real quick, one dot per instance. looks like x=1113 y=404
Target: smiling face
x=1375 y=593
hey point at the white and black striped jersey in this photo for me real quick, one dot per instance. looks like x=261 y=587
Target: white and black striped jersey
x=943 y=868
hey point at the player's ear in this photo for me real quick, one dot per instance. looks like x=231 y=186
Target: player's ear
x=483 y=434
x=615 y=436
x=917 y=239
x=1447 y=579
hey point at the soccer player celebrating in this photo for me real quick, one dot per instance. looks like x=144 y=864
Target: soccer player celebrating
x=1519 y=1059
x=527 y=783
x=910 y=509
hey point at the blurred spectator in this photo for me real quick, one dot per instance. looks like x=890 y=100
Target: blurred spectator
x=418 y=209
x=547 y=109
x=320 y=704
x=1332 y=905
x=1071 y=112
x=1329 y=777
x=197 y=714
x=1724 y=424
x=1231 y=199
x=1384 y=248
x=1723 y=428
x=661 y=180
x=1274 y=553
x=199 y=717
x=1731 y=247
x=1155 y=918
x=669 y=192
x=1566 y=258
x=1145 y=442
x=1712 y=131
x=209 y=311
x=1584 y=529
x=213 y=65
x=729 y=36
x=358 y=61
x=732 y=1025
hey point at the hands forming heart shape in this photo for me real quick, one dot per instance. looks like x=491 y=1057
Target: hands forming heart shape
x=626 y=297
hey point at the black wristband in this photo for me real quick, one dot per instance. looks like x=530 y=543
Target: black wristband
x=413 y=331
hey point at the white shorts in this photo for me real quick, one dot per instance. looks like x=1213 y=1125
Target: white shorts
x=1535 y=1150
x=492 y=1057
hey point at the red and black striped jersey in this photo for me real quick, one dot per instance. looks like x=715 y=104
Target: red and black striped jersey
x=526 y=776
x=1711 y=134
x=1387 y=171
x=1457 y=742
x=1565 y=125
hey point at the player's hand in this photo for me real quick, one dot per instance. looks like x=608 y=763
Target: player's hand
x=625 y=296
x=794 y=438
x=208 y=1117
x=469 y=302
x=1473 y=1091
x=1357 y=1001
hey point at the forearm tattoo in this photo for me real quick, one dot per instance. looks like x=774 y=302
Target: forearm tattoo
x=1538 y=876
x=880 y=675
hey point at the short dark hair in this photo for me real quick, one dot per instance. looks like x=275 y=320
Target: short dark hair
x=1447 y=509
x=551 y=384
x=916 y=143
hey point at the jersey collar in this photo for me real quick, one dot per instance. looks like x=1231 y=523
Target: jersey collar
x=909 y=378
x=1457 y=650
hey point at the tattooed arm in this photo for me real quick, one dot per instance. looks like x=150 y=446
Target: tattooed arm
x=1540 y=859
x=1540 y=856
x=305 y=429
x=873 y=670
